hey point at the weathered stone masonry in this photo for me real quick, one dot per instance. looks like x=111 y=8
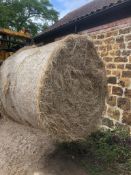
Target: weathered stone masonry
x=113 y=43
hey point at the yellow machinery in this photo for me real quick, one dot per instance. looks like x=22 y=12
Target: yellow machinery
x=11 y=41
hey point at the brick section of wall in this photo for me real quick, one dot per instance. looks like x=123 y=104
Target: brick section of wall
x=114 y=47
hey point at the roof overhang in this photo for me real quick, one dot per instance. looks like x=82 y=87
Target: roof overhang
x=104 y=16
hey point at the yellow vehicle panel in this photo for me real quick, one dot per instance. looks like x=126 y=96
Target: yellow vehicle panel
x=11 y=41
x=13 y=33
x=4 y=55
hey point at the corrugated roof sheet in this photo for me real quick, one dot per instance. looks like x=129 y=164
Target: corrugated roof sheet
x=86 y=10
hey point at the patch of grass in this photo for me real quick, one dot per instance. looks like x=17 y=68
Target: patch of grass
x=103 y=153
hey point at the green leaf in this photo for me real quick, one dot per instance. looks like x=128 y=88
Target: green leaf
x=34 y=15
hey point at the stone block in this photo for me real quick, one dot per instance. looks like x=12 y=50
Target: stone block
x=109 y=47
x=123 y=103
x=112 y=80
x=120 y=66
x=126 y=53
x=120 y=59
x=93 y=37
x=117 y=91
x=116 y=73
x=104 y=54
x=120 y=39
x=103 y=48
x=128 y=38
x=110 y=40
x=97 y=42
x=107 y=59
x=124 y=82
x=112 y=33
x=111 y=66
x=126 y=74
x=111 y=100
x=127 y=118
x=113 y=113
x=108 y=72
x=107 y=122
x=115 y=46
x=128 y=93
x=129 y=45
x=115 y=53
x=125 y=30
x=128 y=66
x=122 y=46
x=100 y=36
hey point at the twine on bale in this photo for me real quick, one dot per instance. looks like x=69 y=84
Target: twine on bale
x=59 y=88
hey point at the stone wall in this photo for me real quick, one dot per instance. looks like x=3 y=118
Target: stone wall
x=113 y=43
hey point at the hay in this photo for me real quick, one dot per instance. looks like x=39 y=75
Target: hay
x=26 y=151
x=59 y=88
x=23 y=150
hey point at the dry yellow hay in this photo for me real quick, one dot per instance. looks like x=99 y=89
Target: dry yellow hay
x=23 y=150
x=27 y=151
x=59 y=88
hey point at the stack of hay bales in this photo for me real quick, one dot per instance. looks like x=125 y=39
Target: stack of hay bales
x=58 y=88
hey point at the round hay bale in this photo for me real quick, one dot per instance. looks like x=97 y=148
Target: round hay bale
x=23 y=150
x=59 y=88
x=26 y=151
